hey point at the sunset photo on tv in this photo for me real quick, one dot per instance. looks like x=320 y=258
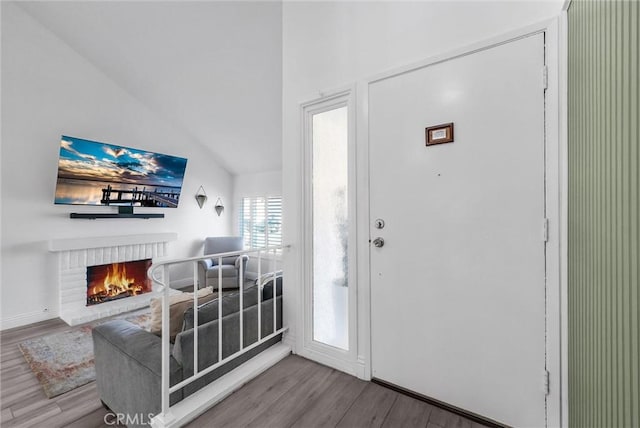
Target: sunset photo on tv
x=94 y=173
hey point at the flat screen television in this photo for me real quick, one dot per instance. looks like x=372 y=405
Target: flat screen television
x=94 y=173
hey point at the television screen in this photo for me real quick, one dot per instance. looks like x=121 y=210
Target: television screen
x=93 y=173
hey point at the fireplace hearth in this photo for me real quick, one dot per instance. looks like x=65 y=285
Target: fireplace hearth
x=115 y=281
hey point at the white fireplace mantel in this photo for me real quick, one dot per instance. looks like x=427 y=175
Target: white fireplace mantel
x=76 y=254
x=56 y=245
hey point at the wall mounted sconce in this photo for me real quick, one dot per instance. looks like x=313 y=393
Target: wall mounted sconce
x=201 y=197
x=219 y=207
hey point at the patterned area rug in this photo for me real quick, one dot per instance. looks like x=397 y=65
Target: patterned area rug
x=64 y=361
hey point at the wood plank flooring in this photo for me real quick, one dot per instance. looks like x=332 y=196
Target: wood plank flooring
x=300 y=393
x=294 y=393
x=22 y=399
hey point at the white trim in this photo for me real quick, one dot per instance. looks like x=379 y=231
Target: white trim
x=363 y=267
x=204 y=372
x=485 y=44
x=325 y=358
x=553 y=171
x=25 y=319
x=563 y=87
x=199 y=402
x=344 y=360
x=56 y=245
x=289 y=339
x=555 y=305
x=37 y=316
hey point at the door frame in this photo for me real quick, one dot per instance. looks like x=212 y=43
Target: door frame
x=555 y=198
x=343 y=360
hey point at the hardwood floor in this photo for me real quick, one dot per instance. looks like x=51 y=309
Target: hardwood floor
x=294 y=393
x=22 y=399
x=300 y=393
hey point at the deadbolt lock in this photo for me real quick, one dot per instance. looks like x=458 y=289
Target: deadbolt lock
x=379 y=223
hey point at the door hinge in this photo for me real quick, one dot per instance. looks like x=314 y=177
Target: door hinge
x=545 y=382
x=545 y=77
x=545 y=230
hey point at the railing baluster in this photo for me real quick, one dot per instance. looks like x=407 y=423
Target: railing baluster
x=273 y=269
x=241 y=281
x=212 y=367
x=219 y=309
x=165 y=342
x=196 y=287
x=259 y=287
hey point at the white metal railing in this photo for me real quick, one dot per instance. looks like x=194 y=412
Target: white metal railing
x=163 y=281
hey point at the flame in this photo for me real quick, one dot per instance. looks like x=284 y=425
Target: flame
x=116 y=282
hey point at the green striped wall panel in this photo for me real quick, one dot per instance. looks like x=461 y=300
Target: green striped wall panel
x=604 y=214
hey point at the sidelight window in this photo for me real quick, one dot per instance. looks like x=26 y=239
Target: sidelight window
x=330 y=226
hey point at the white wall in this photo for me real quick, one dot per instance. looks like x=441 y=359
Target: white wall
x=213 y=68
x=48 y=90
x=330 y=45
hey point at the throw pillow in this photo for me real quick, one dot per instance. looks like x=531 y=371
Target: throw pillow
x=178 y=304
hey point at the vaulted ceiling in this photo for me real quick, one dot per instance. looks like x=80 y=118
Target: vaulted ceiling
x=212 y=69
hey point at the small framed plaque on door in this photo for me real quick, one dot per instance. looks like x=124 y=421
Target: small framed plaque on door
x=439 y=134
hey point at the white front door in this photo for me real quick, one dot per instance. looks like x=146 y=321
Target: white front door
x=458 y=289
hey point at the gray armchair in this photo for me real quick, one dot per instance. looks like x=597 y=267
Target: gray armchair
x=208 y=269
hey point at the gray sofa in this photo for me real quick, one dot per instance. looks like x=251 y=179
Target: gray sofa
x=128 y=358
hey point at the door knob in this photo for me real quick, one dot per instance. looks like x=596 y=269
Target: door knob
x=378 y=242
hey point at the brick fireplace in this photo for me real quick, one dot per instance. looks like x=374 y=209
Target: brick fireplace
x=75 y=256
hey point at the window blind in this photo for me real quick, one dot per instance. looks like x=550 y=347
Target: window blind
x=261 y=221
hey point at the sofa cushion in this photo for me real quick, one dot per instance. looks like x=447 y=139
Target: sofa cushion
x=230 y=304
x=178 y=304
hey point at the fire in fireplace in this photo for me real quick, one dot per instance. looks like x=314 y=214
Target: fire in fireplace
x=117 y=281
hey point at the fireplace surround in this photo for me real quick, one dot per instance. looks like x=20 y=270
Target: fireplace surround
x=75 y=255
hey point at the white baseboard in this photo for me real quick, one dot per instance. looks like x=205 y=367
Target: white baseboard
x=198 y=403
x=33 y=317
x=25 y=319
x=361 y=370
x=289 y=339
x=351 y=368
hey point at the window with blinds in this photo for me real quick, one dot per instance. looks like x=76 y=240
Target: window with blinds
x=261 y=221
